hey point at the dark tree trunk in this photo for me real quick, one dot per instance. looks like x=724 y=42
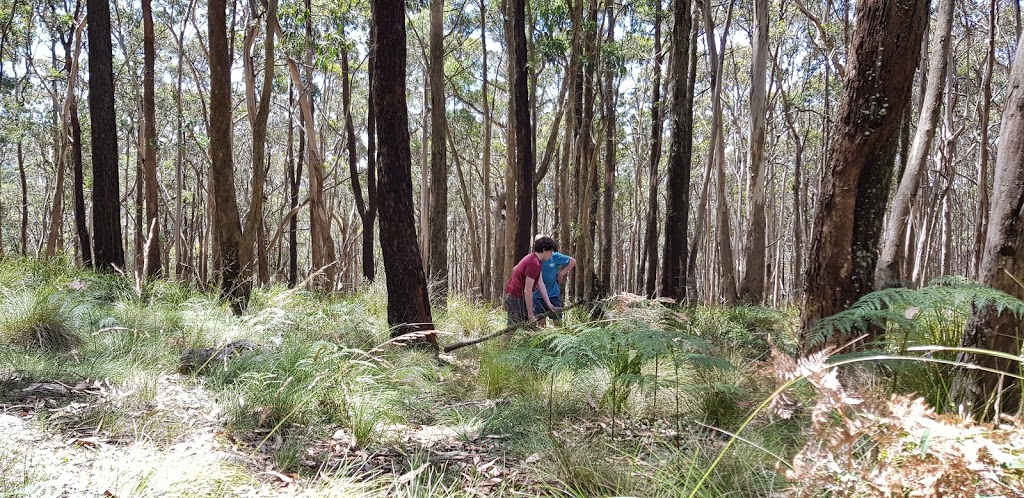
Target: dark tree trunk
x=152 y=225
x=650 y=255
x=24 y=199
x=1002 y=267
x=677 y=206
x=883 y=59
x=523 y=132
x=106 y=211
x=81 y=223
x=294 y=179
x=408 y=302
x=365 y=214
x=228 y=224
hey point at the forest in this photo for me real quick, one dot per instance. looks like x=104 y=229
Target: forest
x=262 y=247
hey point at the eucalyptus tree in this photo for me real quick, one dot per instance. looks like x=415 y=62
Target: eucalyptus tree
x=888 y=272
x=109 y=248
x=883 y=59
x=752 y=284
x=1002 y=267
x=677 y=206
x=152 y=259
x=222 y=170
x=408 y=299
x=437 y=259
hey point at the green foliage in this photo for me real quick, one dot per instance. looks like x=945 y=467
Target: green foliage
x=43 y=318
x=944 y=300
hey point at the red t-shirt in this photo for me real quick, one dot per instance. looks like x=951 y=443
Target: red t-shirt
x=529 y=266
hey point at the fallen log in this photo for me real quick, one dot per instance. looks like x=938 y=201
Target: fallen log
x=513 y=327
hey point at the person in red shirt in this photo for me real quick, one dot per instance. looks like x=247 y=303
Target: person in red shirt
x=525 y=279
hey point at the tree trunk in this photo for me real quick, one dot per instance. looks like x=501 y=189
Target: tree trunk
x=228 y=225
x=106 y=198
x=489 y=290
x=888 y=274
x=611 y=144
x=523 y=132
x=408 y=301
x=880 y=74
x=24 y=199
x=982 y=206
x=251 y=227
x=153 y=262
x=752 y=287
x=677 y=205
x=650 y=257
x=369 y=266
x=81 y=223
x=438 y=223
x=1002 y=267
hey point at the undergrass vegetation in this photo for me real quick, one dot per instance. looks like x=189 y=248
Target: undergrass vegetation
x=308 y=392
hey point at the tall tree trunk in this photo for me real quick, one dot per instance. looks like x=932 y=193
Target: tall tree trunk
x=611 y=144
x=228 y=224
x=883 y=58
x=985 y=107
x=677 y=205
x=294 y=180
x=153 y=262
x=369 y=266
x=365 y=215
x=752 y=287
x=489 y=290
x=408 y=300
x=438 y=260
x=887 y=273
x=1002 y=267
x=81 y=223
x=650 y=257
x=24 y=199
x=523 y=132
x=251 y=227
x=106 y=212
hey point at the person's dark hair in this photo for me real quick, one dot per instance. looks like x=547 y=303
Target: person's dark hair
x=544 y=244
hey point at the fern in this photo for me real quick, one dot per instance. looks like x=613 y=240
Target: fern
x=951 y=298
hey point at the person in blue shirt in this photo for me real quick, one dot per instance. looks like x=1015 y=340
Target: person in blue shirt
x=552 y=273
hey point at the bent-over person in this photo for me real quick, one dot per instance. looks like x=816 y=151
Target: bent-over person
x=525 y=279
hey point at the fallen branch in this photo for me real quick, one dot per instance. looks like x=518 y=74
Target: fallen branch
x=513 y=327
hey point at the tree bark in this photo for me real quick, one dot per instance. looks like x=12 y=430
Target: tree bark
x=489 y=290
x=81 y=223
x=677 y=205
x=408 y=301
x=887 y=273
x=438 y=246
x=883 y=58
x=1002 y=268
x=106 y=198
x=153 y=261
x=752 y=286
x=227 y=225
x=252 y=226
x=523 y=132
x=611 y=144
x=650 y=256
x=982 y=206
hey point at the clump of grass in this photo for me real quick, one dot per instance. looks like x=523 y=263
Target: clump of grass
x=304 y=385
x=41 y=319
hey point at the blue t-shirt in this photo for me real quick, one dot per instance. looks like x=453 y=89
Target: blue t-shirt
x=549 y=272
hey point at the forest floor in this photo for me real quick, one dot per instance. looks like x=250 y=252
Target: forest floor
x=67 y=456
x=648 y=399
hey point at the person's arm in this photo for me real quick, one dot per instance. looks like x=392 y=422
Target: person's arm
x=544 y=294
x=528 y=296
x=561 y=273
